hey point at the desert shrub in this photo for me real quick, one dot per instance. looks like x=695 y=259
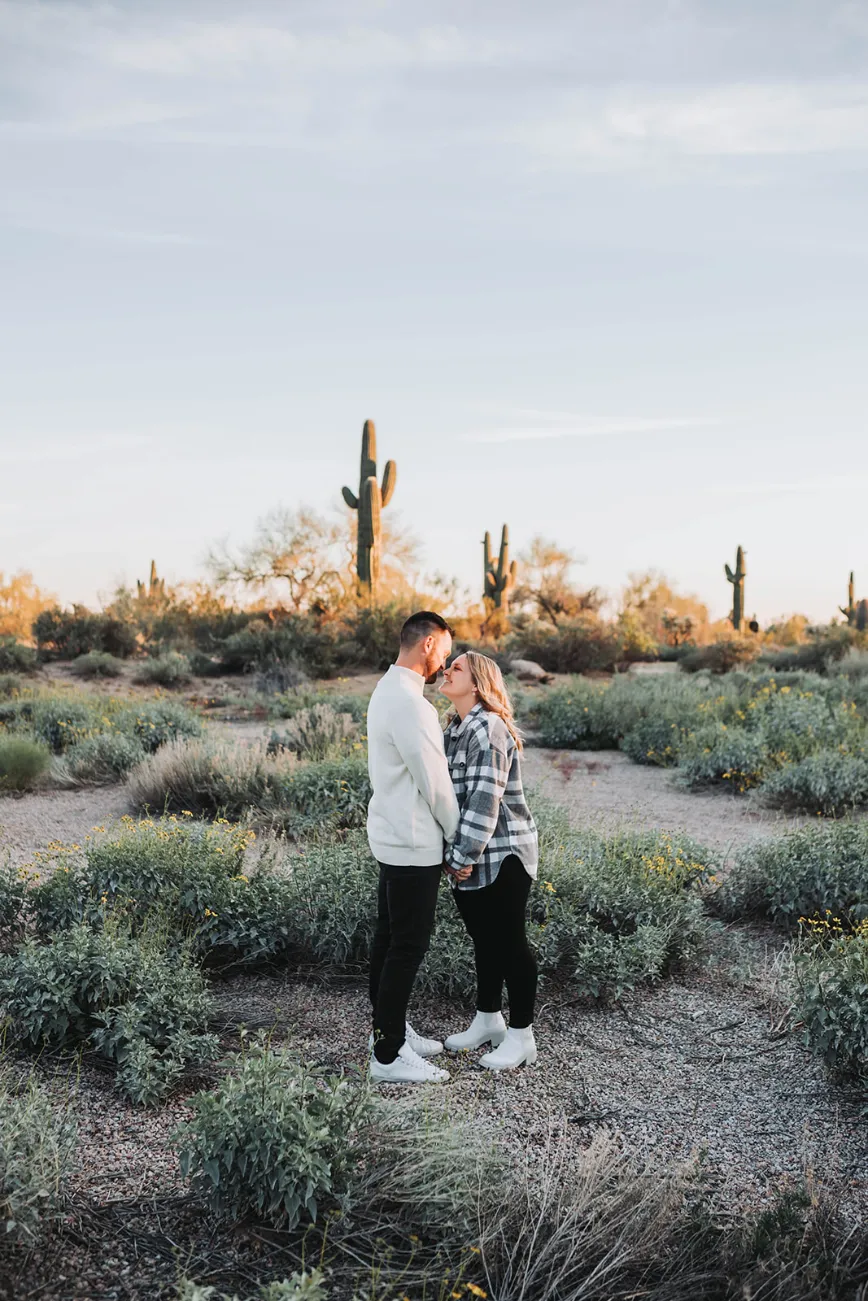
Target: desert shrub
x=654 y=740
x=65 y=634
x=615 y=912
x=207 y=778
x=371 y=635
x=830 y=782
x=106 y=757
x=800 y=874
x=203 y=665
x=62 y=721
x=831 y=972
x=169 y=670
x=294 y=702
x=10 y=685
x=37 y=1144
x=189 y=878
x=274 y=1138
x=575 y=646
x=575 y=717
x=302 y=1285
x=852 y=666
x=316 y=733
x=156 y=722
x=129 y=1001
x=298 y=641
x=96 y=664
x=718 y=754
x=15 y=657
x=721 y=656
x=13 y=894
x=332 y=795
x=23 y=762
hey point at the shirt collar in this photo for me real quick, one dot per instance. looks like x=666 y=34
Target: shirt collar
x=412 y=678
x=462 y=723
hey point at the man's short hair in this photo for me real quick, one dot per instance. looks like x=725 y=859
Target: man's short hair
x=422 y=624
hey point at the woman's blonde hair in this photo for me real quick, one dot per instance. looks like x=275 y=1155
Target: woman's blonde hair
x=493 y=695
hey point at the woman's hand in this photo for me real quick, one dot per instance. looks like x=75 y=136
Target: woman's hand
x=460 y=873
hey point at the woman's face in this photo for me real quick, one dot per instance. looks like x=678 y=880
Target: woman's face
x=457 y=684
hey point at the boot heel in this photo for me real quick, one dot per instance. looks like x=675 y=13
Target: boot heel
x=531 y=1057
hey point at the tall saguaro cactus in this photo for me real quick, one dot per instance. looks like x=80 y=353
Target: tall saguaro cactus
x=737 y=579
x=156 y=588
x=851 y=608
x=499 y=578
x=370 y=501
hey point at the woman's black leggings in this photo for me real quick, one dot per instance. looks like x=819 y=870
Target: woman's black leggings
x=495 y=917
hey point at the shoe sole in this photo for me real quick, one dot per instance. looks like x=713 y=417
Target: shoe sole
x=393 y=1079
x=529 y=1060
x=494 y=1039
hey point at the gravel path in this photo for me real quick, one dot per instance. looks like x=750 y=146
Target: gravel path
x=606 y=790
x=31 y=822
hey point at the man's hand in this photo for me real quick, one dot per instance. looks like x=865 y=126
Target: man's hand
x=460 y=873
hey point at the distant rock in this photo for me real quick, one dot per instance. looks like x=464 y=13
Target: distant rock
x=530 y=671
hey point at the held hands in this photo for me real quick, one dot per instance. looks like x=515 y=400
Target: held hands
x=458 y=873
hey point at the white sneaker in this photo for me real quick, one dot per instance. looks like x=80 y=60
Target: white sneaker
x=517 y=1049
x=407 y=1068
x=424 y=1047
x=486 y=1027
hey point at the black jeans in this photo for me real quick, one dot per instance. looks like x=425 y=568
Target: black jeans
x=406 y=900
x=495 y=920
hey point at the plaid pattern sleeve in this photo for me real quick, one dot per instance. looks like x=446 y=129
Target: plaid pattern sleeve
x=484 y=763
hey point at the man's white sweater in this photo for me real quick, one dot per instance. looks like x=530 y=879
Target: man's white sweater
x=413 y=808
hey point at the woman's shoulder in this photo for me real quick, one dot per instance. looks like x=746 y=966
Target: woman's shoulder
x=491 y=732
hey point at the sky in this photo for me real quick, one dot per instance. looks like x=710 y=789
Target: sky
x=596 y=268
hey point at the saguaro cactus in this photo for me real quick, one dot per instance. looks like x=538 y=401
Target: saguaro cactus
x=737 y=579
x=851 y=608
x=156 y=588
x=861 y=619
x=370 y=501
x=500 y=578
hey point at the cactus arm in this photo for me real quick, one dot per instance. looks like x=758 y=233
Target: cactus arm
x=730 y=575
x=390 y=477
x=350 y=498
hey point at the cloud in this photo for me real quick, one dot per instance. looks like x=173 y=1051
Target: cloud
x=560 y=424
x=629 y=127
x=71 y=449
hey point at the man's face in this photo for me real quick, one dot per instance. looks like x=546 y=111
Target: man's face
x=436 y=655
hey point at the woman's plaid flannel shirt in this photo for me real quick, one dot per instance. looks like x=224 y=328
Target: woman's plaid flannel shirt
x=485 y=766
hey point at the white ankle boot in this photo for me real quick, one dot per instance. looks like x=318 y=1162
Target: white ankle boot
x=486 y=1027
x=517 y=1049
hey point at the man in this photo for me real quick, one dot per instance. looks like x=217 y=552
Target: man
x=412 y=811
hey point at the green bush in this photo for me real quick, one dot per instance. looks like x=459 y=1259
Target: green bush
x=317 y=733
x=204 y=666
x=830 y=782
x=297 y=642
x=37 y=1144
x=22 y=763
x=274 y=1138
x=722 y=755
x=62 y=721
x=65 y=634
x=801 y=874
x=131 y=1002
x=575 y=717
x=15 y=657
x=156 y=722
x=10 y=685
x=169 y=670
x=575 y=646
x=106 y=757
x=831 y=972
x=721 y=656
x=13 y=894
x=96 y=664
x=294 y=702
x=207 y=778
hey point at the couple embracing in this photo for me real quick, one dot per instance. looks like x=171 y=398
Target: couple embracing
x=448 y=803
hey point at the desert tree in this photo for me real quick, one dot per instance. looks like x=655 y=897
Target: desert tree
x=547 y=586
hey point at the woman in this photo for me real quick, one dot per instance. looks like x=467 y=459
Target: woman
x=493 y=859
